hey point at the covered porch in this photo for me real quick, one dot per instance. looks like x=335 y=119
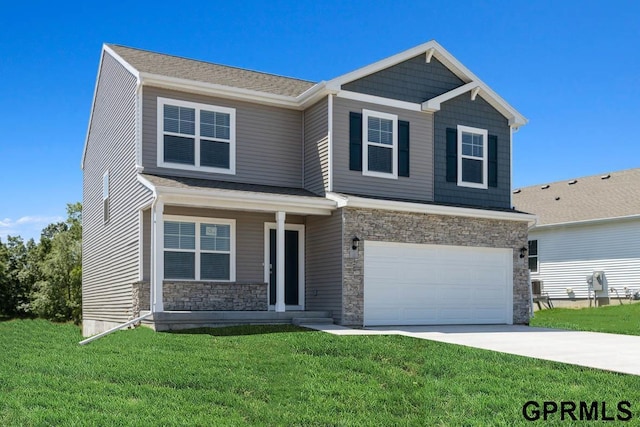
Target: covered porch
x=215 y=254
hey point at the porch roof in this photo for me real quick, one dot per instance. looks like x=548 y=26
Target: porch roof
x=239 y=196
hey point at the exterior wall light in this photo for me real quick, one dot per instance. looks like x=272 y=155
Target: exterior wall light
x=523 y=251
x=355 y=242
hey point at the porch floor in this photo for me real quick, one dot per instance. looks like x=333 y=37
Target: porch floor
x=176 y=320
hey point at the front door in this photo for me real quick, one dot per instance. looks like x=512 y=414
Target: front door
x=293 y=267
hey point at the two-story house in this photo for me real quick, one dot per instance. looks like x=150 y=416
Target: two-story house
x=215 y=195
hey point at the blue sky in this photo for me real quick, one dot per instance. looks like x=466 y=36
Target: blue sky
x=571 y=67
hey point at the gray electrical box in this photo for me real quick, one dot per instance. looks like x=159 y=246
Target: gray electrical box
x=597 y=281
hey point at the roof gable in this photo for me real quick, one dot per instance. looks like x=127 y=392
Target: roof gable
x=414 y=80
x=595 y=197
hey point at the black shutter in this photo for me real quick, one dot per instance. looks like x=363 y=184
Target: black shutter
x=452 y=155
x=493 y=160
x=355 y=141
x=403 y=148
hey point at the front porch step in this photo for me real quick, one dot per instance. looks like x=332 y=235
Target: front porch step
x=299 y=321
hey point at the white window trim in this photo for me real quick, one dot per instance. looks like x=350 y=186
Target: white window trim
x=485 y=158
x=366 y=143
x=198 y=107
x=198 y=221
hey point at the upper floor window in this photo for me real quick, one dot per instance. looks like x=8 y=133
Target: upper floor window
x=533 y=256
x=380 y=150
x=196 y=136
x=472 y=157
x=105 y=196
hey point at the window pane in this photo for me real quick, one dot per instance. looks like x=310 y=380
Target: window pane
x=215 y=125
x=472 y=144
x=179 y=119
x=533 y=263
x=187 y=120
x=215 y=237
x=380 y=130
x=179 y=265
x=214 y=154
x=214 y=266
x=179 y=235
x=472 y=171
x=171 y=112
x=380 y=159
x=178 y=149
x=533 y=247
x=187 y=242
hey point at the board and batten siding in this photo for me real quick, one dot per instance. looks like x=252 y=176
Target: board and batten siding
x=110 y=252
x=316 y=147
x=324 y=264
x=462 y=110
x=568 y=254
x=268 y=140
x=418 y=186
x=249 y=236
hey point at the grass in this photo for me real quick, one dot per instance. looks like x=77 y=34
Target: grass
x=615 y=319
x=276 y=375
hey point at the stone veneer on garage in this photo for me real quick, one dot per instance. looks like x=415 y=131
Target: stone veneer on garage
x=204 y=296
x=406 y=227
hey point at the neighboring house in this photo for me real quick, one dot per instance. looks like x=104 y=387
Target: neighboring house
x=214 y=195
x=584 y=225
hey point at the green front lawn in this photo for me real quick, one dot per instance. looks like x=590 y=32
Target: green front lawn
x=276 y=376
x=615 y=319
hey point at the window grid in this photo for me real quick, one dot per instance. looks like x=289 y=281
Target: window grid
x=380 y=145
x=201 y=137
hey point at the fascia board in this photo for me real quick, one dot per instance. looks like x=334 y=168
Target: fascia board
x=222 y=91
x=585 y=222
x=362 y=202
x=247 y=201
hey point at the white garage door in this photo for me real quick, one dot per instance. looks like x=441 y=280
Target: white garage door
x=410 y=284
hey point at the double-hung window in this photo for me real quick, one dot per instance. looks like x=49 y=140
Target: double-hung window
x=196 y=136
x=199 y=249
x=380 y=144
x=533 y=256
x=472 y=157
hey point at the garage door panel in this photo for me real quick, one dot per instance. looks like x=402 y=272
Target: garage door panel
x=436 y=284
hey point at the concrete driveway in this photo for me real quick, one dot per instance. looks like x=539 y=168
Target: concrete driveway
x=611 y=352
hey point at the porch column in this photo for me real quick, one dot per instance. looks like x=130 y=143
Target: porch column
x=280 y=217
x=157 y=275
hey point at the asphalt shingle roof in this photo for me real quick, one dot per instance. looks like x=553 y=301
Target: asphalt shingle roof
x=203 y=184
x=582 y=199
x=183 y=68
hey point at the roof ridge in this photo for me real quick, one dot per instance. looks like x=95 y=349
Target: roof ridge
x=111 y=45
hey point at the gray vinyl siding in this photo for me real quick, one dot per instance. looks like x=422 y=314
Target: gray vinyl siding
x=480 y=114
x=418 y=186
x=110 y=251
x=324 y=264
x=249 y=237
x=316 y=147
x=268 y=141
x=413 y=80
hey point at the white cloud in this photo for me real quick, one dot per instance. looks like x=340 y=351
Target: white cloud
x=27 y=227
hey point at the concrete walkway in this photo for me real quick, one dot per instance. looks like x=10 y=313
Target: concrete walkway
x=611 y=352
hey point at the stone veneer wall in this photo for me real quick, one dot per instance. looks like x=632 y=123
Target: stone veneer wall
x=215 y=296
x=141 y=297
x=406 y=227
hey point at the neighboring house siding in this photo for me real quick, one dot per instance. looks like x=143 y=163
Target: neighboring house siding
x=413 y=80
x=267 y=141
x=110 y=261
x=418 y=186
x=463 y=111
x=567 y=255
x=324 y=264
x=249 y=237
x=316 y=147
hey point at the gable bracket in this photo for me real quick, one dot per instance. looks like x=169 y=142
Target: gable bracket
x=474 y=93
x=430 y=53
